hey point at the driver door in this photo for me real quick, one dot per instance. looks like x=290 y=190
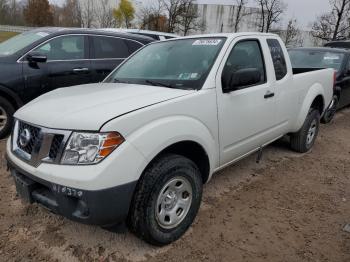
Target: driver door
x=247 y=114
x=67 y=65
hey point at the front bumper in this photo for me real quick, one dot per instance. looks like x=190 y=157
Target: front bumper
x=99 y=207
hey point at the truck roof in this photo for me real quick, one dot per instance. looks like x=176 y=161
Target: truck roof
x=227 y=35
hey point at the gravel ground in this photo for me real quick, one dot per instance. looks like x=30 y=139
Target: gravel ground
x=290 y=207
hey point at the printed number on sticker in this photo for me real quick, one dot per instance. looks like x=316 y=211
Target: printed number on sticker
x=207 y=42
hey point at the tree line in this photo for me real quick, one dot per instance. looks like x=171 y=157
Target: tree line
x=180 y=16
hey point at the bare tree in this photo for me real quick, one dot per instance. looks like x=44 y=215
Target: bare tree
x=71 y=14
x=11 y=12
x=182 y=15
x=173 y=9
x=240 y=13
x=4 y=11
x=261 y=24
x=335 y=24
x=152 y=17
x=104 y=14
x=270 y=11
x=56 y=14
x=189 y=17
x=292 y=36
x=87 y=13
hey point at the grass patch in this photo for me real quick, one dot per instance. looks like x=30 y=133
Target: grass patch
x=6 y=35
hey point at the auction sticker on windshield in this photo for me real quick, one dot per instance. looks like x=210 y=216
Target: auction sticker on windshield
x=207 y=42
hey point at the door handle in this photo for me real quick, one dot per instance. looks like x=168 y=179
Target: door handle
x=269 y=94
x=81 y=70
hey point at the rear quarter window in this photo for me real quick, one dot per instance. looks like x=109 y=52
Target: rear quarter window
x=278 y=59
x=133 y=46
x=110 y=47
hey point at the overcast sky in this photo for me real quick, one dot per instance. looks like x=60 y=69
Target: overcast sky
x=305 y=11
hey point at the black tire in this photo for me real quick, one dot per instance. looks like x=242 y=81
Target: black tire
x=330 y=113
x=300 y=141
x=142 y=219
x=6 y=108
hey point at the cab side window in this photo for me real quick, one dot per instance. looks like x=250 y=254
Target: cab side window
x=245 y=55
x=70 y=47
x=278 y=59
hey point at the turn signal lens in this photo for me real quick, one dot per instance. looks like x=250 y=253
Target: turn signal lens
x=112 y=141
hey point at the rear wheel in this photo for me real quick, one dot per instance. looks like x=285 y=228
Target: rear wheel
x=332 y=109
x=304 y=140
x=6 y=117
x=166 y=200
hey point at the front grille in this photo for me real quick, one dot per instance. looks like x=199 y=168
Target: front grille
x=38 y=144
x=34 y=137
x=55 y=146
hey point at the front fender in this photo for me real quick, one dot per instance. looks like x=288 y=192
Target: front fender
x=306 y=102
x=154 y=137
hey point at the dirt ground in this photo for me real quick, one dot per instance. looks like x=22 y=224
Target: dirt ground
x=290 y=207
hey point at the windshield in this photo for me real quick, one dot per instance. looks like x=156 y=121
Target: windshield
x=316 y=59
x=19 y=42
x=182 y=64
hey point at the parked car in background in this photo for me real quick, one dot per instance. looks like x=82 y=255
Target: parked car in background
x=140 y=145
x=339 y=44
x=159 y=36
x=338 y=59
x=42 y=60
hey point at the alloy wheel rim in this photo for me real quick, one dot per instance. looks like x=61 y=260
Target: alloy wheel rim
x=173 y=202
x=312 y=132
x=3 y=118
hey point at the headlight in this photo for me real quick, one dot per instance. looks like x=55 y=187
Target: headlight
x=90 y=148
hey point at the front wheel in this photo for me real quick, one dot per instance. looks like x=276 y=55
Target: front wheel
x=304 y=140
x=166 y=200
x=330 y=112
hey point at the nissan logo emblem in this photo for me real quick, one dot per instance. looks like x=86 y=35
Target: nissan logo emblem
x=24 y=137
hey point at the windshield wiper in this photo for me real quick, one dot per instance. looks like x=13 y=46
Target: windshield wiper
x=116 y=80
x=155 y=83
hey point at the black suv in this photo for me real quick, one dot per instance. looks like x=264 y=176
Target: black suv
x=339 y=44
x=44 y=59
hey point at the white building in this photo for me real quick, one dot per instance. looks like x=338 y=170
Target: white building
x=218 y=18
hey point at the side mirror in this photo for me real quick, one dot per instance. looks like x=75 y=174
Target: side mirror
x=242 y=79
x=35 y=57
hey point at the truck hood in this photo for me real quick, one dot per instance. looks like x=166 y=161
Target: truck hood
x=88 y=107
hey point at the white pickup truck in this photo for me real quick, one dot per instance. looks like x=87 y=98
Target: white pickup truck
x=139 y=146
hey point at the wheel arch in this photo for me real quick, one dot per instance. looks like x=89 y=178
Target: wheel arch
x=315 y=98
x=191 y=150
x=11 y=96
x=318 y=104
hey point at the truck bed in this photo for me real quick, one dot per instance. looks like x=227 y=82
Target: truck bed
x=304 y=70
